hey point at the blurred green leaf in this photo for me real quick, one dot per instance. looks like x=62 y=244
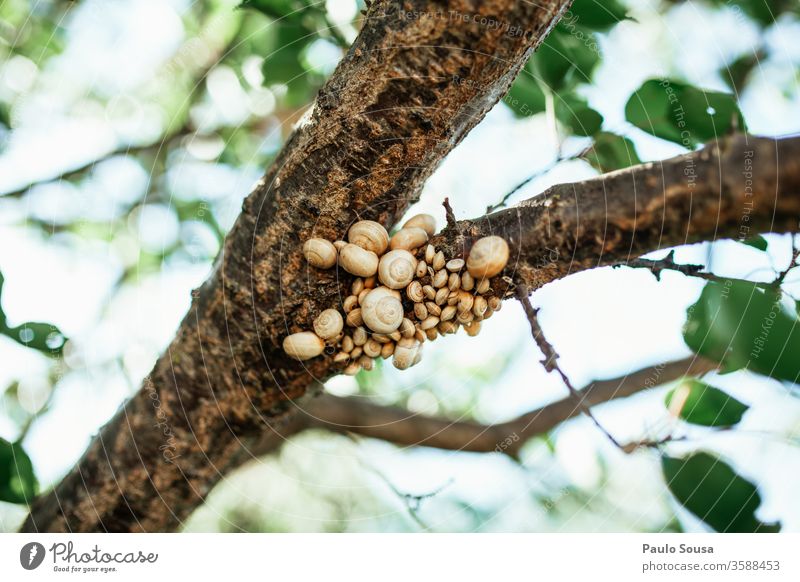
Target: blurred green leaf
x=699 y=403
x=5 y=116
x=566 y=59
x=526 y=97
x=711 y=490
x=44 y=337
x=597 y=14
x=611 y=152
x=736 y=73
x=743 y=325
x=576 y=114
x=683 y=114
x=17 y=480
x=757 y=242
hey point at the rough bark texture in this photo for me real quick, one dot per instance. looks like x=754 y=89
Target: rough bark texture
x=404 y=428
x=412 y=85
x=734 y=188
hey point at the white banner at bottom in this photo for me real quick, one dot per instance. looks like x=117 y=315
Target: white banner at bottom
x=401 y=557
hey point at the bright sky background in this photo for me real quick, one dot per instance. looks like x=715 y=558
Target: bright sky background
x=603 y=323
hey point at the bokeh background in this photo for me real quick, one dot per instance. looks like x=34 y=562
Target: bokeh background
x=130 y=132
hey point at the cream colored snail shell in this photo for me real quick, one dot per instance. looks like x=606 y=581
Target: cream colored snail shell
x=408 y=238
x=405 y=353
x=358 y=261
x=303 y=345
x=320 y=253
x=424 y=221
x=382 y=311
x=328 y=324
x=369 y=235
x=487 y=257
x=396 y=269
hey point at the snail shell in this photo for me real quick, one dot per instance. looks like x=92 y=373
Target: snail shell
x=473 y=328
x=414 y=292
x=396 y=269
x=408 y=238
x=454 y=265
x=438 y=262
x=467 y=282
x=424 y=221
x=339 y=244
x=381 y=311
x=487 y=257
x=303 y=345
x=358 y=261
x=328 y=324
x=320 y=253
x=387 y=350
x=369 y=235
x=407 y=328
x=405 y=352
x=430 y=253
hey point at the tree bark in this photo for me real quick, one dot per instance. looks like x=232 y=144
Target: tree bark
x=420 y=75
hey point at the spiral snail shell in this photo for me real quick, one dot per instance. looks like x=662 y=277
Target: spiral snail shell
x=382 y=311
x=320 y=253
x=369 y=235
x=487 y=257
x=328 y=324
x=424 y=221
x=405 y=353
x=397 y=268
x=408 y=238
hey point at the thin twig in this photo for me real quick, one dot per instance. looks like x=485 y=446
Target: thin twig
x=550 y=362
x=449 y=214
x=657 y=266
x=782 y=275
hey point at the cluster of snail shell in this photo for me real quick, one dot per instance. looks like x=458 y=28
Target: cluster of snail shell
x=405 y=293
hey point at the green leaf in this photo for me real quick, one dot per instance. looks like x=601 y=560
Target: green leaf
x=736 y=73
x=576 y=114
x=611 y=152
x=683 y=114
x=757 y=242
x=743 y=325
x=17 y=480
x=595 y=14
x=278 y=9
x=698 y=403
x=711 y=490
x=44 y=337
x=526 y=97
x=565 y=59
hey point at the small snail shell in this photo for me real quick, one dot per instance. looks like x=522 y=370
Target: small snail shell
x=303 y=345
x=433 y=308
x=440 y=278
x=408 y=239
x=430 y=253
x=396 y=335
x=397 y=268
x=448 y=313
x=362 y=295
x=454 y=282
x=480 y=306
x=404 y=353
x=431 y=333
x=487 y=257
x=339 y=244
x=357 y=286
x=473 y=328
x=369 y=282
x=358 y=261
x=446 y=327
x=356 y=353
x=438 y=261
x=414 y=292
x=465 y=301
x=495 y=303
x=320 y=253
x=382 y=311
x=422 y=269
x=387 y=350
x=467 y=282
x=454 y=265
x=420 y=311
x=482 y=287
x=372 y=348
x=424 y=221
x=441 y=296
x=406 y=328
x=350 y=303
x=341 y=357
x=369 y=235
x=352 y=369
x=464 y=317
x=347 y=344
x=366 y=362
x=429 y=292
x=328 y=324
x=359 y=337
x=430 y=322
x=420 y=335
x=355 y=318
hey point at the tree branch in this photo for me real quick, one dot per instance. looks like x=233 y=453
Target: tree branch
x=412 y=85
x=397 y=425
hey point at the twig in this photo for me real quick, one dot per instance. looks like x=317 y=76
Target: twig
x=782 y=275
x=657 y=266
x=449 y=214
x=550 y=362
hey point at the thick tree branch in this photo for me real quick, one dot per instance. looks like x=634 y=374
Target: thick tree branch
x=415 y=81
x=401 y=427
